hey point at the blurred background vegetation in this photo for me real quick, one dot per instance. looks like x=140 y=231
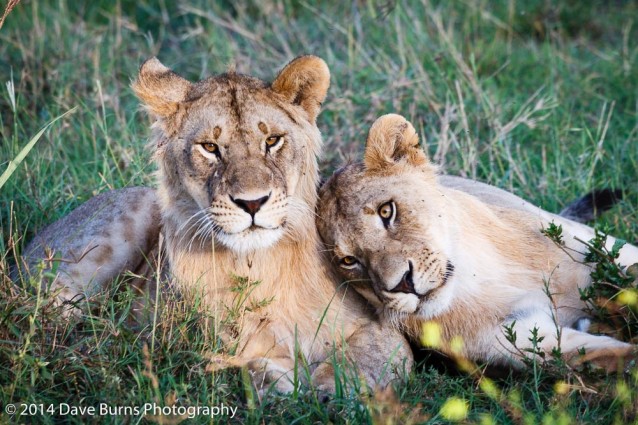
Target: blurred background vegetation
x=538 y=97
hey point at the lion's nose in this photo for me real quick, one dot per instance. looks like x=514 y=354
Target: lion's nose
x=251 y=206
x=406 y=285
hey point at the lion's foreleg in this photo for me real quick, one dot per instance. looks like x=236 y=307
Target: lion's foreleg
x=538 y=335
x=375 y=354
x=270 y=362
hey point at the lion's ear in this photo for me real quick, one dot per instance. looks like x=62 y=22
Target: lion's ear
x=304 y=82
x=159 y=88
x=392 y=139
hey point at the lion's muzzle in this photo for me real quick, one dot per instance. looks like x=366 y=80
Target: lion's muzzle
x=406 y=284
x=251 y=206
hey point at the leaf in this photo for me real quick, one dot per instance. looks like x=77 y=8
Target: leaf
x=13 y=165
x=615 y=250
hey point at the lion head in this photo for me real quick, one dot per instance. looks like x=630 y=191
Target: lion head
x=383 y=219
x=236 y=155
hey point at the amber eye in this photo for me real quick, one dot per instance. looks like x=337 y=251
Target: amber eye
x=211 y=147
x=273 y=141
x=387 y=212
x=348 y=262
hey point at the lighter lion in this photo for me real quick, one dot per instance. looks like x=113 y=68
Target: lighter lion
x=422 y=251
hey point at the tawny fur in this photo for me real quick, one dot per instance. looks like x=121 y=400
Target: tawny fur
x=475 y=255
x=105 y=236
x=209 y=141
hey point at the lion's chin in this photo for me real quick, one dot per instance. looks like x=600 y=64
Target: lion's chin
x=251 y=239
x=404 y=304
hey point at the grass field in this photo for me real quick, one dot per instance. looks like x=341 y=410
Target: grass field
x=537 y=97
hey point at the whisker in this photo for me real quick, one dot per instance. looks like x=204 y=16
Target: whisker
x=200 y=226
x=180 y=228
x=211 y=229
x=192 y=224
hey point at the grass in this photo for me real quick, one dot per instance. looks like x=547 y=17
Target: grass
x=540 y=98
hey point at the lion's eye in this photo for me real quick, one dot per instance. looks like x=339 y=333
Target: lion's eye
x=348 y=262
x=210 y=147
x=273 y=141
x=387 y=212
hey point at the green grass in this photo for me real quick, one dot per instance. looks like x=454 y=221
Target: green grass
x=535 y=97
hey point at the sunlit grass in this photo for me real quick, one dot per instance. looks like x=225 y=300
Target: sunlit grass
x=537 y=97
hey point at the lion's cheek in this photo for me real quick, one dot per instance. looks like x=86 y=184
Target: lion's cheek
x=292 y=170
x=197 y=191
x=436 y=305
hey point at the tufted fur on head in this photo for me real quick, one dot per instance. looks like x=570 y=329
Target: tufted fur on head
x=235 y=115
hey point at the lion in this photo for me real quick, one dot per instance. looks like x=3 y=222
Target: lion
x=423 y=249
x=233 y=212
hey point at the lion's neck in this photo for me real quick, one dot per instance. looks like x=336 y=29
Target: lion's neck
x=501 y=264
x=289 y=263
x=488 y=243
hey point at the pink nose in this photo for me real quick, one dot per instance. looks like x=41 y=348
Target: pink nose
x=251 y=206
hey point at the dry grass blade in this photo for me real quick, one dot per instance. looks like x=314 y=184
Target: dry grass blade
x=233 y=26
x=385 y=408
x=7 y=10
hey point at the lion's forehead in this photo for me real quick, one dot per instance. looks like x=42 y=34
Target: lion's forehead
x=248 y=117
x=352 y=202
x=235 y=106
x=360 y=195
x=350 y=223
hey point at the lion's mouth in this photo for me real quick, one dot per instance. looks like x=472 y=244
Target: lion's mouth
x=431 y=294
x=251 y=238
x=256 y=228
x=428 y=295
x=250 y=229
